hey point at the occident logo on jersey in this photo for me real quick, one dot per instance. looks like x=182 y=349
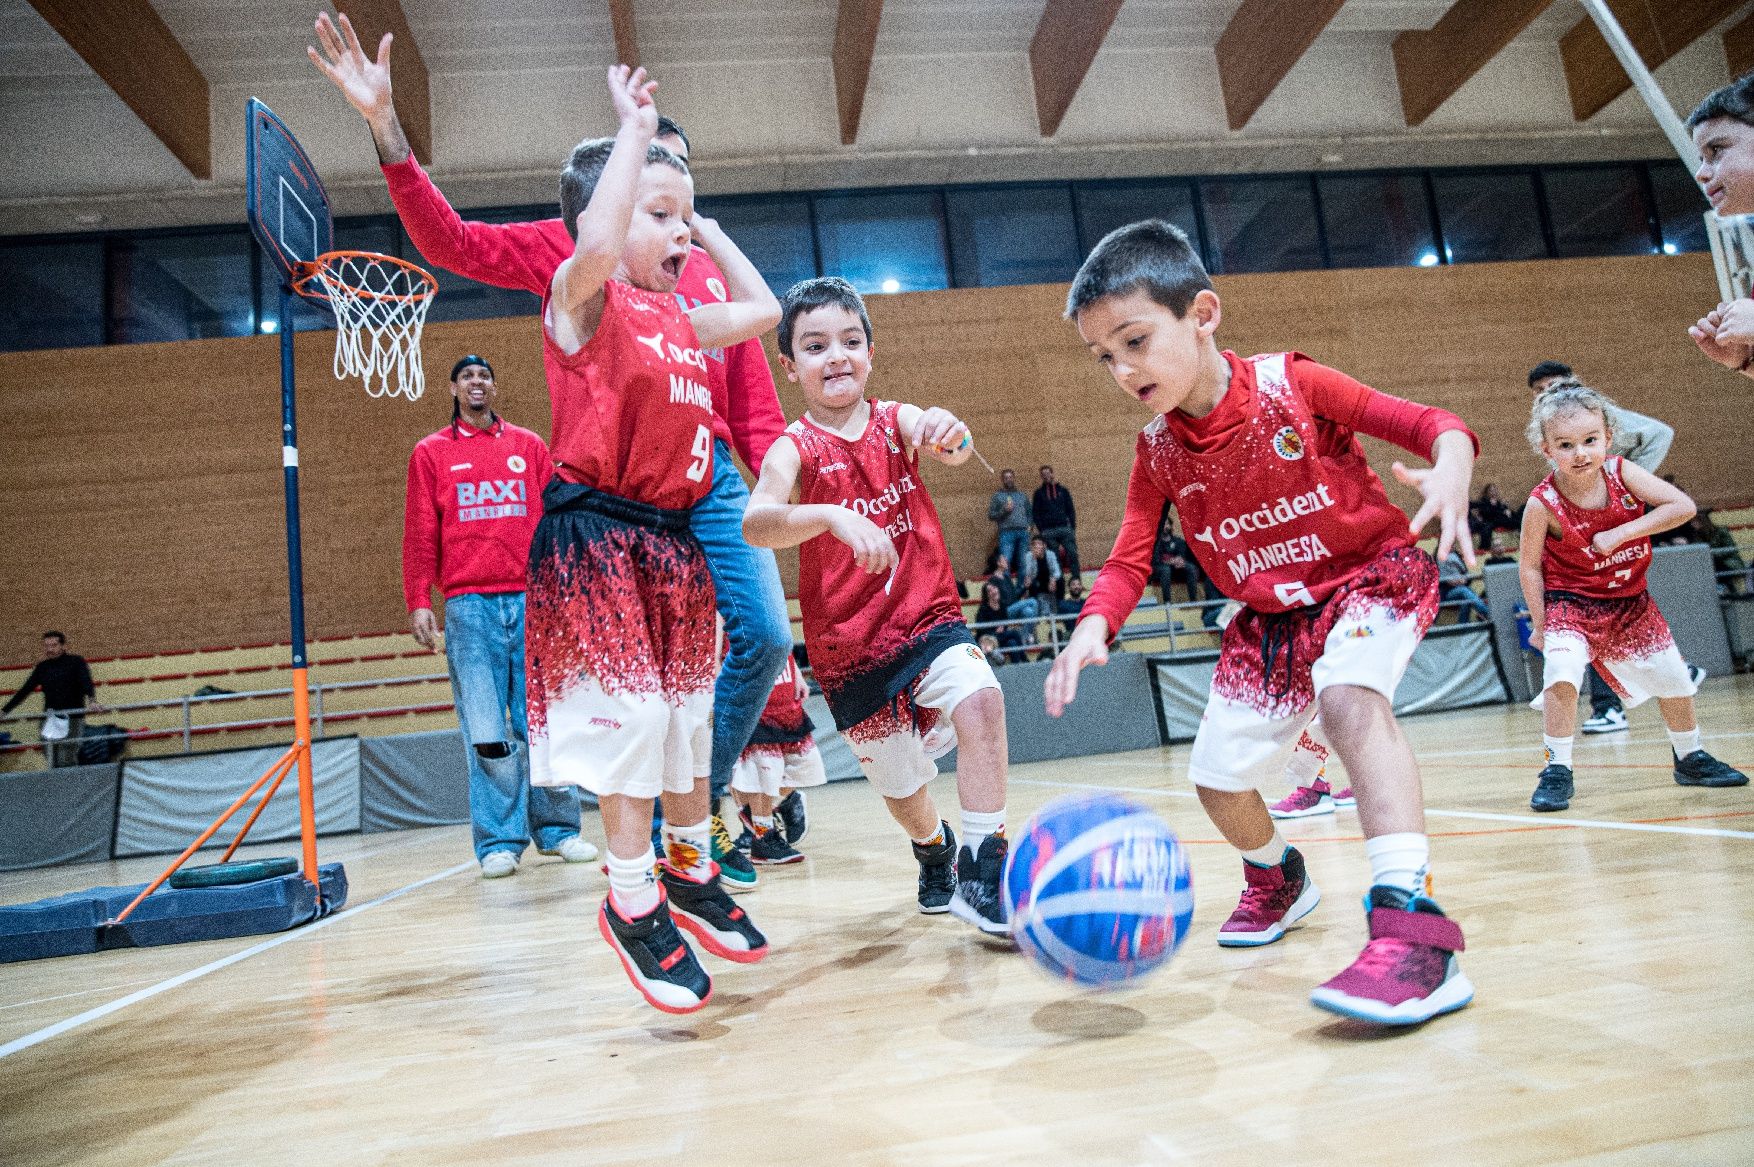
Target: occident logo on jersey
x=674 y=352
x=875 y=508
x=1285 y=509
x=516 y=464
x=1288 y=444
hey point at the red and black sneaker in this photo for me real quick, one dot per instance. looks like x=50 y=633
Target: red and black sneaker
x=1276 y=898
x=656 y=958
x=712 y=917
x=1408 y=973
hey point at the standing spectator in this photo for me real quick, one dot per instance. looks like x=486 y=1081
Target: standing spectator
x=473 y=503
x=1009 y=508
x=1490 y=513
x=65 y=680
x=1057 y=520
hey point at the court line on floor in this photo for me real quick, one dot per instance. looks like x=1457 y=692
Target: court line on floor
x=1124 y=763
x=19 y=1045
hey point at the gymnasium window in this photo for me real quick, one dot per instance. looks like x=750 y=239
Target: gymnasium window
x=1681 y=208
x=1489 y=215
x=51 y=294
x=1103 y=206
x=1377 y=220
x=1261 y=224
x=884 y=241
x=1012 y=235
x=1598 y=210
x=773 y=231
x=186 y=286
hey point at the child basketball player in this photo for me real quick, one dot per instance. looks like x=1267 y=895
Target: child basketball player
x=1585 y=552
x=882 y=618
x=1286 y=516
x=780 y=762
x=1308 y=772
x=620 y=626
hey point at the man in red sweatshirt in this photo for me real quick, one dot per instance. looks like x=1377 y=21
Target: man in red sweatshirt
x=746 y=409
x=474 y=491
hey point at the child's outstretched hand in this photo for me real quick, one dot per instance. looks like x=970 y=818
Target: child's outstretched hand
x=939 y=429
x=872 y=550
x=1445 y=488
x=1088 y=646
x=630 y=92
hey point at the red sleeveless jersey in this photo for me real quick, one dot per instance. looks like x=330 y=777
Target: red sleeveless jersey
x=633 y=415
x=1570 y=562
x=855 y=621
x=1284 y=509
x=782 y=706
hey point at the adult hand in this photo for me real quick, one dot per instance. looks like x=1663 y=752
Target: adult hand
x=364 y=82
x=425 y=627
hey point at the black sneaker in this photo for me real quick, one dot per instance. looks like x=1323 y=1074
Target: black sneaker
x=712 y=917
x=979 y=899
x=792 y=816
x=656 y=958
x=734 y=866
x=1701 y=769
x=1553 y=791
x=937 y=872
x=769 y=848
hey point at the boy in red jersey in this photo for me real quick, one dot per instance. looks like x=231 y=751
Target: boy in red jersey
x=1285 y=516
x=1585 y=551
x=882 y=618
x=779 y=764
x=620 y=621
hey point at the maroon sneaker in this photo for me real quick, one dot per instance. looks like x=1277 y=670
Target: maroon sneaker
x=1275 y=899
x=1408 y=973
x=1305 y=801
x=1343 y=799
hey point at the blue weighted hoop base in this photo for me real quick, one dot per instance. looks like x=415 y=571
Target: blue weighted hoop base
x=74 y=923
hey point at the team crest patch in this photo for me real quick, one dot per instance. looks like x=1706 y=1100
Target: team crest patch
x=516 y=464
x=1627 y=502
x=1361 y=632
x=1288 y=444
x=973 y=651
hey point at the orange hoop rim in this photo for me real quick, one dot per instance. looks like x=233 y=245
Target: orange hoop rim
x=307 y=283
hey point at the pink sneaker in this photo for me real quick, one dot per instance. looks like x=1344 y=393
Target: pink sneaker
x=1344 y=799
x=1408 y=973
x=1274 y=900
x=1305 y=801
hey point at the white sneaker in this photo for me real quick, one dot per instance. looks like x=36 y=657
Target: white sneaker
x=574 y=850
x=498 y=865
x=1607 y=721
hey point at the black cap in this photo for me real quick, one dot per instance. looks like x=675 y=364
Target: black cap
x=471 y=359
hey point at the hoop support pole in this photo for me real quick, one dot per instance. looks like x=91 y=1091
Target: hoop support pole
x=301 y=697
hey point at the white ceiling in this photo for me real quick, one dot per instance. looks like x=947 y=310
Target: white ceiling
x=515 y=83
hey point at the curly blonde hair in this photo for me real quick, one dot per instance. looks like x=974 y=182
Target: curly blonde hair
x=1569 y=396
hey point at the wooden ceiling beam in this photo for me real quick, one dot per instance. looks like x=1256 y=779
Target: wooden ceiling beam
x=1259 y=47
x=132 y=51
x=855 y=42
x=1064 y=46
x=1657 y=30
x=1739 y=46
x=1431 y=65
x=626 y=36
x=371 y=20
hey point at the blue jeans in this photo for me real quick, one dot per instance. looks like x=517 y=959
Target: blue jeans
x=758 y=633
x=1470 y=602
x=484 y=646
x=1013 y=543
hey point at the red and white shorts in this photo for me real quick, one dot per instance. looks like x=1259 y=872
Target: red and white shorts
x=619 y=645
x=1272 y=667
x=769 y=767
x=1627 y=639
x=897 y=746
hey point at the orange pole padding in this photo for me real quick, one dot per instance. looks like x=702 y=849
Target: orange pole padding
x=279 y=768
x=307 y=786
x=267 y=796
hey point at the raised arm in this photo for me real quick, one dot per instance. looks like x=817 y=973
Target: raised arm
x=752 y=308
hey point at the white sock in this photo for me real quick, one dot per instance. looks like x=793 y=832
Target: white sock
x=1270 y=854
x=633 y=884
x=1558 y=750
x=1400 y=861
x=689 y=850
x=762 y=824
x=1685 y=741
x=933 y=839
x=977 y=825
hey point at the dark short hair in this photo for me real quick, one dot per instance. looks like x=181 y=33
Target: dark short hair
x=808 y=295
x=1735 y=101
x=579 y=178
x=1152 y=256
x=61 y=636
x=1045 y=468
x=1548 y=369
x=670 y=127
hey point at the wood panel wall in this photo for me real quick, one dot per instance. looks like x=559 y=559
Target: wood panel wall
x=142 y=486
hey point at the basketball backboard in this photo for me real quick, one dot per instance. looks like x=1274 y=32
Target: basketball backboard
x=285 y=200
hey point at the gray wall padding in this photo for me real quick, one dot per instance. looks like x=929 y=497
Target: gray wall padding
x=57 y=816
x=1681 y=583
x=167 y=802
x=413 y=780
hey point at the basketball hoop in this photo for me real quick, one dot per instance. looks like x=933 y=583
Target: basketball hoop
x=380 y=305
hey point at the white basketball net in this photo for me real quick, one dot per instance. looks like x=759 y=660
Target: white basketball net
x=380 y=305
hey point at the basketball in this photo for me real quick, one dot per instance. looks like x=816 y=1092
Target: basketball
x=1098 y=890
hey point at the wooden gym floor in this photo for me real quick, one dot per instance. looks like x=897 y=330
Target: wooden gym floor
x=447 y=1020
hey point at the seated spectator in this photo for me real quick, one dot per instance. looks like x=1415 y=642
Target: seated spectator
x=994 y=617
x=1172 y=561
x=1040 y=575
x=1489 y=513
x=989 y=645
x=1452 y=579
x=1071 y=605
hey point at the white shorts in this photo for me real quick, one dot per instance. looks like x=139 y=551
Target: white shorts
x=897 y=754
x=640 y=745
x=1566 y=656
x=767 y=769
x=1626 y=637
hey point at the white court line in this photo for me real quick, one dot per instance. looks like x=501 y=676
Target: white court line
x=1544 y=820
x=19 y=1045
x=1124 y=763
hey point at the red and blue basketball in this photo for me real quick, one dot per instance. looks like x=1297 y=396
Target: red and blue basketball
x=1098 y=890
